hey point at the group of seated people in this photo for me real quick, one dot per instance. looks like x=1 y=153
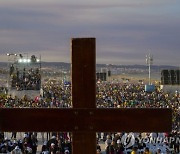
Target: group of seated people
x=114 y=143
x=143 y=143
x=28 y=144
x=59 y=143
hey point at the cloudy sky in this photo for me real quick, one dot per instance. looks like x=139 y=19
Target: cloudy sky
x=125 y=30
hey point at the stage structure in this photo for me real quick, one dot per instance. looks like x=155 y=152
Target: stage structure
x=103 y=75
x=170 y=80
x=24 y=74
x=170 y=77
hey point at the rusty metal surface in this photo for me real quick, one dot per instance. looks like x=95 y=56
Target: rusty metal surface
x=84 y=143
x=133 y=120
x=83 y=72
x=83 y=69
x=97 y=120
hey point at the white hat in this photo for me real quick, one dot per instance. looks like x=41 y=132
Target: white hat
x=53 y=137
x=66 y=151
x=25 y=135
x=108 y=141
x=29 y=149
x=118 y=141
x=14 y=141
x=45 y=143
x=108 y=137
x=52 y=144
x=17 y=148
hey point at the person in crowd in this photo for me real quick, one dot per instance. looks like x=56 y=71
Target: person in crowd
x=158 y=151
x=147 y=151
x=16 y=150
x=13 y=135
x=110 y=148
x=98 y=151
x=119 y=148
x=134 y=150
x=98 y=147
x=53 y=148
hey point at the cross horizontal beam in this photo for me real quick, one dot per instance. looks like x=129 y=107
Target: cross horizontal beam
x=76 y=120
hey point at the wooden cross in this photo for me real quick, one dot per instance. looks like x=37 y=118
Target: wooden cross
x=84 y=119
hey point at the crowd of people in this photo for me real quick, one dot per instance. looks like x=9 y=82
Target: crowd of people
x=108 y=95
x=145 y=143
x=59 y=143
x=113 y=95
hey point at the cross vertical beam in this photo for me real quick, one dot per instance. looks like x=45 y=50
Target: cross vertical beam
x=83 y=89
x=83 y=71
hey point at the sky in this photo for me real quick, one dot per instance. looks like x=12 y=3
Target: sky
x=125 y=30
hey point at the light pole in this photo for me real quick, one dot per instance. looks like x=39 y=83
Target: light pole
x=149 y=62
